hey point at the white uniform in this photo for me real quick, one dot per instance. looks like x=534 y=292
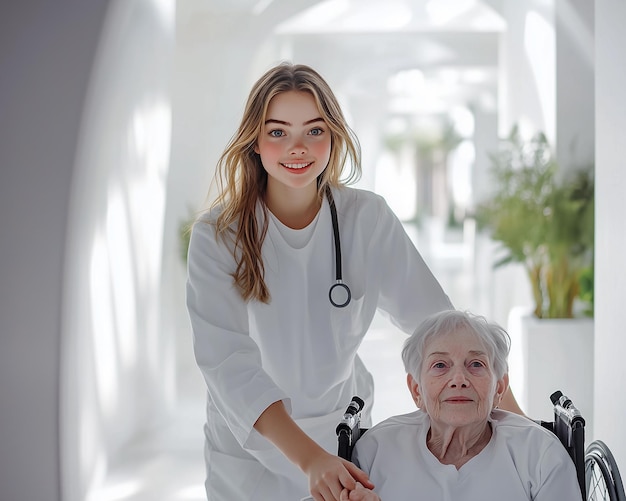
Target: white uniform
x=522 y=462
x=299 y=348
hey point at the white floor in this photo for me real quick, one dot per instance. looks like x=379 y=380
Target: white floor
x=169 y=467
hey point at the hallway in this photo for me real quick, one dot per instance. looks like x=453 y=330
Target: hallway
x=81 y=92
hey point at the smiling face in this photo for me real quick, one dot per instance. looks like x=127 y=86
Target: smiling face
x=458 y=386
x=294 y=143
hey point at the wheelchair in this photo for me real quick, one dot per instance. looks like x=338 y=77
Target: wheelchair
x=597 y=472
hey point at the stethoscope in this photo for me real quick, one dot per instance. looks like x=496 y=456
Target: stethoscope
x=339 y=293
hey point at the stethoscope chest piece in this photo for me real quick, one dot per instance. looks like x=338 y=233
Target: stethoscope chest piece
x=339 y=293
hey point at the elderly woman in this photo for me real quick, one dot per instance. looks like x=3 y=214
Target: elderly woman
x=458 y=444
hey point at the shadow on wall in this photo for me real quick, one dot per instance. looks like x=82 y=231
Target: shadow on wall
x=117 y=371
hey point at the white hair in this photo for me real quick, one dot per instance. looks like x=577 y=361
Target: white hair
x=494 y=337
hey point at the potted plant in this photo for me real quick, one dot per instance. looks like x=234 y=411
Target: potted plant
x=544 y=220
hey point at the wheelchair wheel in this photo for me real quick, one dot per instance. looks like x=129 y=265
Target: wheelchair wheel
x=602 y=477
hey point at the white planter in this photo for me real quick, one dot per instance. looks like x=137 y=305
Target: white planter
x=555 y=354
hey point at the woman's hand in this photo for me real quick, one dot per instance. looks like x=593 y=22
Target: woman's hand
x=329 y=475
x=359 y=493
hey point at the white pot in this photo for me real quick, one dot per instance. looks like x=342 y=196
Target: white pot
x=555 y=354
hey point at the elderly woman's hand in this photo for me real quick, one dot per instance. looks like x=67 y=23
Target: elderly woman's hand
x=359 y=493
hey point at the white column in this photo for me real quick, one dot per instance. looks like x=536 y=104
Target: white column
x=610 y=274
x=527 y=62
x=575 y=130
x=116 y=369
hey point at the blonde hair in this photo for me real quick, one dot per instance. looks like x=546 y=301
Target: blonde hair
x=242 y=180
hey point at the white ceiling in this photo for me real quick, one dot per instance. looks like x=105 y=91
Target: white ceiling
x=452 y=43
x=397 y=16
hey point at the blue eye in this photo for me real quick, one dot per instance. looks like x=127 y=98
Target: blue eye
x=317 y=131
x=276 y=133
x=439 y=365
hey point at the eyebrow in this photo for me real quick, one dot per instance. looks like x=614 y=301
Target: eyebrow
x=282 y=122
x=471 y=352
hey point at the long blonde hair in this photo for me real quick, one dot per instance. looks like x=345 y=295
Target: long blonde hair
x=242 y=180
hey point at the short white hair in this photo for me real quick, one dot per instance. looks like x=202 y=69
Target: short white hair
x=494 y=337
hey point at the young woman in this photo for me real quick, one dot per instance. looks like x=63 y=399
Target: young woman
x=277 y=347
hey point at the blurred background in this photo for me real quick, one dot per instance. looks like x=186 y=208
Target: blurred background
x=113 y=116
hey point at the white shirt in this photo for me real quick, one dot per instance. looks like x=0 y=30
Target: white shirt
x=521 y=462
x=299 y=348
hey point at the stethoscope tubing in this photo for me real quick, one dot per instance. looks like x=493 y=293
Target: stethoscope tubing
x=339 y=293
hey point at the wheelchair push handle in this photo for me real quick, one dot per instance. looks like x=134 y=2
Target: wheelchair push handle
x=349 y=430
x=558 y=398
x=355 y=406
x=352 y=416
x=566 y=410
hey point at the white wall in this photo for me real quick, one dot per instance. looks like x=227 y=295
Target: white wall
x=610 y=274
x=117 y=367
x=46 y=53
x=527 y=63
x=575 y=131
x=547 y=57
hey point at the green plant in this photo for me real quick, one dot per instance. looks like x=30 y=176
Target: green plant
x=541 y=221
x=586 y=289
x=184 y=235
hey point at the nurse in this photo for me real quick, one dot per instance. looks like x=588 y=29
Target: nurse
x=278 y=352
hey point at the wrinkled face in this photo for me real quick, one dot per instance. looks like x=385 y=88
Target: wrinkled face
x=457 y=384
x=294 y=143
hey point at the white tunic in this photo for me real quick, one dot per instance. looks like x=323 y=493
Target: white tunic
x=522 y=462
x=299 y=348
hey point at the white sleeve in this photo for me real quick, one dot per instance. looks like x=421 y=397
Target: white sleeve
x=228 y=357
x=557 y=476
x=409 y=291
